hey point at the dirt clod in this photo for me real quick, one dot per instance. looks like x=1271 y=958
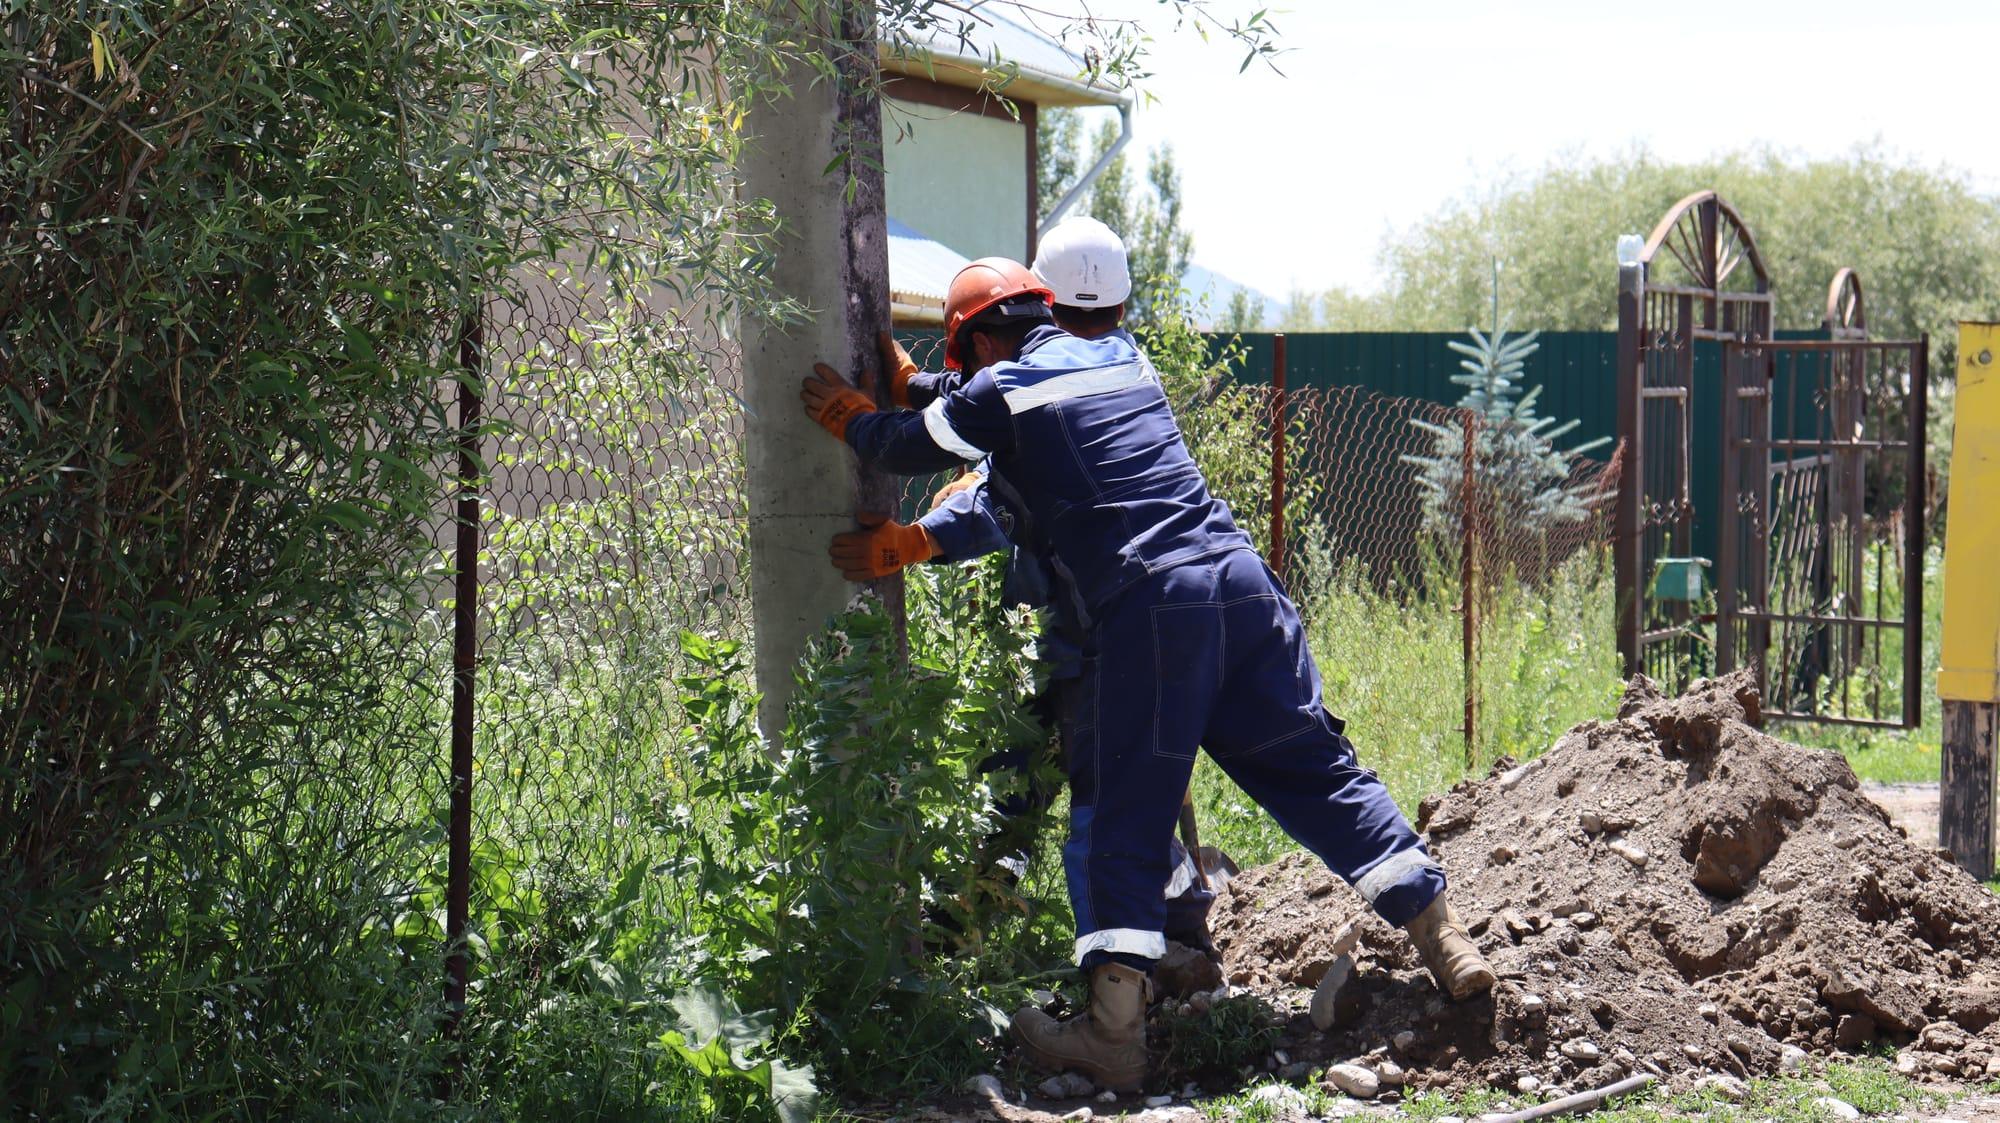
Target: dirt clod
x=1185 y=971
x=1676 y=890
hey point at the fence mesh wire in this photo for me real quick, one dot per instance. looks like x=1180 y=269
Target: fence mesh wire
x=613 y=517
x=1381 y=483
x=1356 y=489
x=926 y=349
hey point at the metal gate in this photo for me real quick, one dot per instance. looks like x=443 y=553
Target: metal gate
x=1698 y=282
x=1820 y=581
x=1799 y=554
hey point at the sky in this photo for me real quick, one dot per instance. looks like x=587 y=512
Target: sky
x=1387 y=111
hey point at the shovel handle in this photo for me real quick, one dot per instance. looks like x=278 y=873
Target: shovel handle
x=1191 y=838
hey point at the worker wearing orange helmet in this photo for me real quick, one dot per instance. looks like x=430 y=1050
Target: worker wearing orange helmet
x=1190 y=644
x=1084 y=265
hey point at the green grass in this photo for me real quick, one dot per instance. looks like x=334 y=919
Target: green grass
x=1870 y=1085
x=1882 y=758
x=1471 y=1104
x=1392 y=666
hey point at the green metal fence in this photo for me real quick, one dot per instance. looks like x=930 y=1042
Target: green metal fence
x=1573 y=368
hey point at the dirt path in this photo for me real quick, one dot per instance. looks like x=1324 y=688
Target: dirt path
x=1286 y=1105
x=1913 y=807
x=1979 y=1108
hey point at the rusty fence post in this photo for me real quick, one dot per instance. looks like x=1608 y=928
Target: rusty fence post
x=1468 y=583
x=464 y=660
x=1628 y=525
x=1915 y=493
x=1278 y=419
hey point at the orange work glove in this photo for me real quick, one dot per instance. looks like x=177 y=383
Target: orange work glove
x=900 y=366
x=881 y=547
x=964 y=480
x=831 y=401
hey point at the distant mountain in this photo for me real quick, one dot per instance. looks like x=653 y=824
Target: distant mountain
x=1210 y=293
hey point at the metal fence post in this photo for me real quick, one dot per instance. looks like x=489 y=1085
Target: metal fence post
x=1729 y=507
x=1468 y=583
x=1914 y=499
x=1627 y=536
x=1278 y=418
x=465 y=657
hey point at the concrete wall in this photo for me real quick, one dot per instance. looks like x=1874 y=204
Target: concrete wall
x=961 y=178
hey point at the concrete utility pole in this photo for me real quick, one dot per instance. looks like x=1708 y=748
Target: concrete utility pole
x=834 y=258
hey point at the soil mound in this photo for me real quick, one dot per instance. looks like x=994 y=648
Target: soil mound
x=1674 y=891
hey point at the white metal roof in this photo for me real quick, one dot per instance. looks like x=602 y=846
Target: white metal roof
x=970 y=49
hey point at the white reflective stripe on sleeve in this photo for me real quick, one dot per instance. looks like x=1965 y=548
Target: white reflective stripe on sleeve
x=1082 y=384
x=1391 y=871
x=1130 y=941
x=947 y=438
x=1183 y=879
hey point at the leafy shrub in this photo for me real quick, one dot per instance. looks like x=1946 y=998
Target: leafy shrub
x=238 y=245
x=835 y=842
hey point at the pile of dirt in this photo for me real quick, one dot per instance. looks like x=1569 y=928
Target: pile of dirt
x=1674 y=892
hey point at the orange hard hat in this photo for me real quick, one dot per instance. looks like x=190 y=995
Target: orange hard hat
x=981 y=286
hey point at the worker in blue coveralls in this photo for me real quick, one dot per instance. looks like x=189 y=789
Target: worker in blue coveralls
x=1189 y=642
x=1084 y=263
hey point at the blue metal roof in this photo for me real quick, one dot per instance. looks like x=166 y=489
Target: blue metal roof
x=920 y=269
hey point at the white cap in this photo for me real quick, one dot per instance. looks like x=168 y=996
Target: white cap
x=1084 y=262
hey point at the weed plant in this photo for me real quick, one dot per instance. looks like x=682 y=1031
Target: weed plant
x=1219 y=1041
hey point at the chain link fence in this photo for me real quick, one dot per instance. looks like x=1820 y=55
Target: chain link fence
x=926 y=349
x=1383 y=501
x=1385 y=484
x=611 y=517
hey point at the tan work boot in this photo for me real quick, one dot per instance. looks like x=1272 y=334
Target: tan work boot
x=1107 y=1042
x=1454 y=960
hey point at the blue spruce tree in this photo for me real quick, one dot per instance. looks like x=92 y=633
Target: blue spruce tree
x=1520 y=481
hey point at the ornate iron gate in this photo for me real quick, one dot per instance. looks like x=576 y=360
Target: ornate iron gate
x=1816 y=522
x=1697 y=283
x=1820 y=576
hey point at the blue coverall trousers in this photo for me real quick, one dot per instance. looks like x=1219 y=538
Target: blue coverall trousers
x=1211 y=655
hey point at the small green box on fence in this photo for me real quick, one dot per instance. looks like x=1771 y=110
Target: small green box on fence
x=1680 y=579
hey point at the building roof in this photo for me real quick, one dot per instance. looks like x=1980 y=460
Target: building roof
x=920 y=270
x=975 y=49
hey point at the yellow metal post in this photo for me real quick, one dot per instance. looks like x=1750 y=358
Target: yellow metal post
x=1969 y=675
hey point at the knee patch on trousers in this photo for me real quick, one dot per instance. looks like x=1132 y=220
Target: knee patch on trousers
x=1402 y=885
